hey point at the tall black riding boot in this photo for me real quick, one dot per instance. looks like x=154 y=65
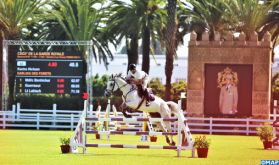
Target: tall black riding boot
x=147 y=97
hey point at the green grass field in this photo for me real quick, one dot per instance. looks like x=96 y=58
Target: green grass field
x=42 y=147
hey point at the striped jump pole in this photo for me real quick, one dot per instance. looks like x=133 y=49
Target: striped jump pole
x=181 y=124
x=79 y=137
x=106 y=123
x=147 y=133
x=132 y=119
x=131 y=146
x=84 y=127
x=107 y=116
x=144 y=137
x=98 y=114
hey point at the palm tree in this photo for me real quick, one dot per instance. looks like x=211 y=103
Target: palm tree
x=208 y=15
x=138 y=19
x=81 y=21
x=248 y=16
x=47 y=29
x=152 y=25
x=271 y=24
x=170 y=34
x=14 y=16
x=228 y=15
x=184 y=25
x=123 y=23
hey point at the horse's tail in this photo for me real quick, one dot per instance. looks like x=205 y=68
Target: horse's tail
x=175 y=109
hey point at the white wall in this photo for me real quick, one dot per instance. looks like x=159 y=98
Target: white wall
x=157 y=67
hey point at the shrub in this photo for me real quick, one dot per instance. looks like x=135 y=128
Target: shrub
x=99 y=84
x=265 y=132
x=157 y=87
x=201 y=142
x=177 y=88
x=65 y=141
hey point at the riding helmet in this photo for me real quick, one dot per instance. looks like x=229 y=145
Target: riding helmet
x=132 y=66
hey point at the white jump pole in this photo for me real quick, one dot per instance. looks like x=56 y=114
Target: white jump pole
x=107 y=115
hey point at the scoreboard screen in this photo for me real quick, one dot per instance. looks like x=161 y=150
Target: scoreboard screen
x=49 y=72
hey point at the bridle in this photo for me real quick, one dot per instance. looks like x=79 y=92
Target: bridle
x=118 y=87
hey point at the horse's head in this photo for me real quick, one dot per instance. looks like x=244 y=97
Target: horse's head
x=112 y=85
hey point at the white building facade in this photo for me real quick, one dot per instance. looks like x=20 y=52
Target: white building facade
x=157 y=67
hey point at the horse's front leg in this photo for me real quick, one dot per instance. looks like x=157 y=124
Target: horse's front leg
x=123 y=108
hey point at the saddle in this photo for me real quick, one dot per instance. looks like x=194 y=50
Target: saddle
x=147 y=93
x=142 y=94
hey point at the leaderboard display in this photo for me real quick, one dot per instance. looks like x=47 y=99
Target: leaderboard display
x=49 y=72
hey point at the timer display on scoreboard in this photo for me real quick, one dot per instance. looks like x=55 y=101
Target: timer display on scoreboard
x=49 y=72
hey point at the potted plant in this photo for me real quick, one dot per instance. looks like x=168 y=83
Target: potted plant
x=202 y=144
x=265 y=133
x=153 y=138
x=65 y=145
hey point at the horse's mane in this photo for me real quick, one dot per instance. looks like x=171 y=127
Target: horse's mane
x=118 y=75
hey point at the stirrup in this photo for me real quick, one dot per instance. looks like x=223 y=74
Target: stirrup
x=147 y=104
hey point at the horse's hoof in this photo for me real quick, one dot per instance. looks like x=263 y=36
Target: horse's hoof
x=173 y=143
x=168 y=140
x=185 y=143
x=126 y=115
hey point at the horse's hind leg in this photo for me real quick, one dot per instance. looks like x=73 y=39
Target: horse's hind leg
x=163 y=128
x=166 y=127
x=184 y=139
x=169 y=129
x=179 y=114
x=166 y=113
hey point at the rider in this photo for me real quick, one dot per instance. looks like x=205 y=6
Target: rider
x=140 y=78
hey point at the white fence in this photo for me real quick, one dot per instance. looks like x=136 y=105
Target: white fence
x=244 y=126
x=68 y=119
x=39 y=118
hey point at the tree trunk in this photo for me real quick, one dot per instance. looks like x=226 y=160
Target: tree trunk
x=1 y=65
x=211 y=34
x=132 y=51
x=170 y=45
x=12 y=51
x=12 y=54
x=146 y=50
